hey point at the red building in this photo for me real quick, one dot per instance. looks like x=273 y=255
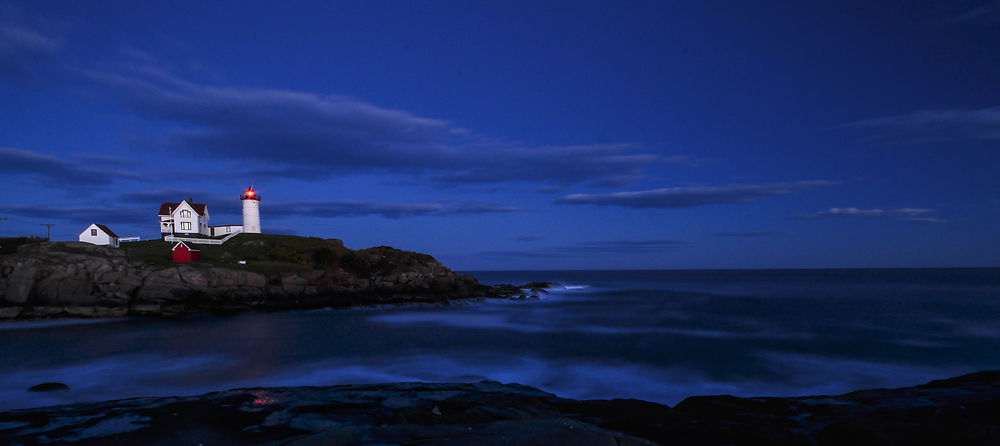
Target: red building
x=184 y=254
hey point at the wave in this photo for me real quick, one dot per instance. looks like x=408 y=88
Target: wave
x=580 y=378
x=484 y=321
x=808 y=374
x=27 y=325
x=553 y=323
x=573 y=379
x=111 y=378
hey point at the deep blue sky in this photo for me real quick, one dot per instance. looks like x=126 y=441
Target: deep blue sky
x=519 y=135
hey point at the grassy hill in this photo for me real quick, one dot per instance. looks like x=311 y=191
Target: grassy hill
x=271 y=252
x=264 y=253
x=255 y=249
x=9 y=245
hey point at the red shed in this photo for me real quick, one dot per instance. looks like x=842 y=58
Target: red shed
x=183 y=253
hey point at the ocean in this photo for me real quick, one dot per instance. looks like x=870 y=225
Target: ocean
x=654 y=335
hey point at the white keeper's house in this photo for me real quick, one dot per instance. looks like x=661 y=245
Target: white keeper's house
x=99 y=235
x=188 y=218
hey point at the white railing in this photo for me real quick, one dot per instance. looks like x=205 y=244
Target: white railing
x=129 y=239
x=202 y=241
x=226 y=238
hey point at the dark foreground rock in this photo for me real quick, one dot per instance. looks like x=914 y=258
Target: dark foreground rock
x=486 y=413
x=963 y=410
x=72 y=279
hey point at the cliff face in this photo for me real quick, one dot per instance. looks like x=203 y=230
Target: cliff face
x=82 y=280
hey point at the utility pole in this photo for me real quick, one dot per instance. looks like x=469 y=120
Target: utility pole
x=48 y=230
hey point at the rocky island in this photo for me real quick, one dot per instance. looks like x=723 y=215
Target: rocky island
x=260 y=272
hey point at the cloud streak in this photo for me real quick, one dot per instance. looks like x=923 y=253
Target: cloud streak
x=23 y=52
x=631 y=247
x=751 y=234
x=350 y=208
x=290 y=133
x=323 y=209
x=936 y=125
x=982 y=12
x=687 y=197
x=901 y=214
x=55 y=171
x=151 y=199
x=83 y=215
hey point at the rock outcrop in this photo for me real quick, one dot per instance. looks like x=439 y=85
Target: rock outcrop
x=963 y=410
x=72 y=279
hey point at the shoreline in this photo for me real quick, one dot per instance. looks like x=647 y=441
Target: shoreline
x=17 y=324
x=958 y=410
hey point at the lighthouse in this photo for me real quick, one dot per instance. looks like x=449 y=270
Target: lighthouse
x=251 y=211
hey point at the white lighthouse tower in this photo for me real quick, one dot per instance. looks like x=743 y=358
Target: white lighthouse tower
x=251 y=211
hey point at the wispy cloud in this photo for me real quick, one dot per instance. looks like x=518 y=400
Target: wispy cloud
x=167 y=194
x=106 y=160
x=902 y=214
x=625 y=246
x=24 y=49
x=631 y=247
x=151 y=199
x=750 y=234
x=291 y=133
x=218 y=204
x=686 y=197
x=981 y=12
x=55 y=171
x=83 y=214
x=349 y=208
x=936 y=125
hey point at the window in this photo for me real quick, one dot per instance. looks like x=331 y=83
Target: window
x=93 y=233
x=186 y=226
x=186 y=213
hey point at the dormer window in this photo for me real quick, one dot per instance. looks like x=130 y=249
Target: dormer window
x=185 y=213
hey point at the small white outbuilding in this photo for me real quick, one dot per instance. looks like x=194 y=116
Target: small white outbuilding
x=99 y=235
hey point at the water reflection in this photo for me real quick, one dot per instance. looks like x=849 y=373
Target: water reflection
x=639 y=338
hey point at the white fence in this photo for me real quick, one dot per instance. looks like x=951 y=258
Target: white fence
x=202 y=241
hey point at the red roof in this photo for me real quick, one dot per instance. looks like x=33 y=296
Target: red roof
x=107 y=230
x=166 y=208
x=186 y=247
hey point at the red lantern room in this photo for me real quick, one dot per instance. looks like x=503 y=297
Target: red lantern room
x=250 y=194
